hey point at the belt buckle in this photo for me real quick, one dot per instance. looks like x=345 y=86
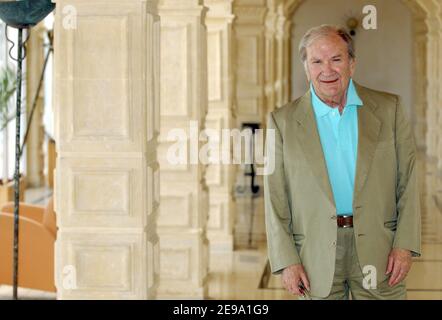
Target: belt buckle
x=345 y=225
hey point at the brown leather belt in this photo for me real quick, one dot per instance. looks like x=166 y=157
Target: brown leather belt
x=344 y=221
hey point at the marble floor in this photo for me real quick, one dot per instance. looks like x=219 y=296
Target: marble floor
x=244 y=274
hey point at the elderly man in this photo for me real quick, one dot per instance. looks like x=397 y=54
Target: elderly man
x=342 y=205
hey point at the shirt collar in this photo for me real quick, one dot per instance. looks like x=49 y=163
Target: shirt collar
x=321 y=109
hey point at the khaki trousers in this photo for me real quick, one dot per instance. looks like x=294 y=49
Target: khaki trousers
x=348 y=277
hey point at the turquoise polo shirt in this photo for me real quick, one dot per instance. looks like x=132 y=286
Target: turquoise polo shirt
x=339 y=140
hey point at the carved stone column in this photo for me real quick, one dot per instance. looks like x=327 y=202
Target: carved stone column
x=106 y=126
x=221 y=115
x=439 y=104
x=282 y=85
x=271 y=59
x=439 y=121
x=433 y=88
x=420 y=105
x=433 y=164
x=184 y=200
x=249 y=37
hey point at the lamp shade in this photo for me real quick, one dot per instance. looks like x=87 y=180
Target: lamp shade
x=25 y=13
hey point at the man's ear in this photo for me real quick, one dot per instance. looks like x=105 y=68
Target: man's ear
x=307 y=73
x=352 y=66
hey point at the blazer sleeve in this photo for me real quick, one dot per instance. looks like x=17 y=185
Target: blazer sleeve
x=408 y=232
x=282 y=251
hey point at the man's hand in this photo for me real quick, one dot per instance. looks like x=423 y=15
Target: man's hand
x=399 y=263
x=291 y=278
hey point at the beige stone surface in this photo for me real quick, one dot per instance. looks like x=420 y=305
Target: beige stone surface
x=221 y=115
x=106 y=121
x=184 y=194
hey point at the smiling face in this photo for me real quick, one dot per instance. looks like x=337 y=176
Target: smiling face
x=329 y=68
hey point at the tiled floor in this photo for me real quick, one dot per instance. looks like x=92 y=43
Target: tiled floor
x=241 y=279
x=25 y=294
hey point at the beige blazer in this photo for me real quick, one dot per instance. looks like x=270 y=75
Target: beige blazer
x=299 y=207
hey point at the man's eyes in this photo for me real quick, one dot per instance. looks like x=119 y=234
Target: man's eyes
x=334 y=60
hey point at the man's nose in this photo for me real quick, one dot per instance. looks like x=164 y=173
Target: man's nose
x=327 y=68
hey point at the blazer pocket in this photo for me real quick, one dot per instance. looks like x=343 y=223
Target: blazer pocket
x=299 y=241
x=298 y=237
x=391 y=225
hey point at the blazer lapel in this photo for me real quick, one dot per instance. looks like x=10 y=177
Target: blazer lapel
x=308 y=136
x=309 y=140
x=368 y=134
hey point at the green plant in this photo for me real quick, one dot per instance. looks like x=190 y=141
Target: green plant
x=8 y=86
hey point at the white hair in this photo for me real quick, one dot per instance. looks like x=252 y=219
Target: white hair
x=321 y=31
